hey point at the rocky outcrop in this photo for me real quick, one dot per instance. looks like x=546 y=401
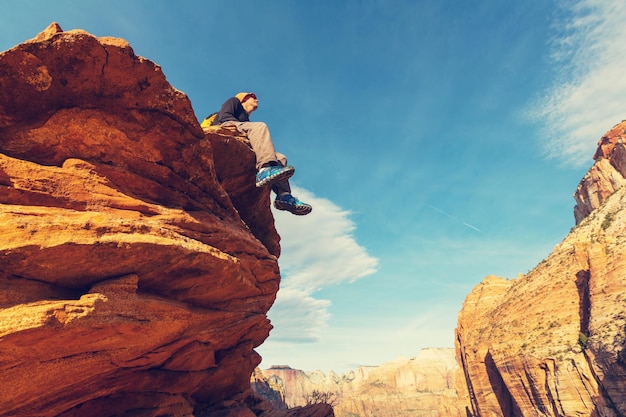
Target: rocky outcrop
x=427 y=385
x=553 y=342
x=137 y=260
x=606 y=175
x=269 y=389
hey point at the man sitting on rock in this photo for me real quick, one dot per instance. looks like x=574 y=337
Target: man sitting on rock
x=272 y=168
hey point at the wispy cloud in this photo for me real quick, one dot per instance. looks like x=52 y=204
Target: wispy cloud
x=298 y=317
x=318 y=250
x=587 y=96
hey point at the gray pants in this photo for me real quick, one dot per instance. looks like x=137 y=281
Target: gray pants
x=263 y=147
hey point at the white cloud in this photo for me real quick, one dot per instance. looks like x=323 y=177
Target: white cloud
x=318 y=251
x=297 y=317
x=587 y=97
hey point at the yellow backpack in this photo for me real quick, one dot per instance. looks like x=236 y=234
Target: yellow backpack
x=208 y=120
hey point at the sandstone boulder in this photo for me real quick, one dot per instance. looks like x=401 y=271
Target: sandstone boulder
x=137 y=260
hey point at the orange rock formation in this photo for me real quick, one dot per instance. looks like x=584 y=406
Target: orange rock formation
x=553 y=342
x=137 y=260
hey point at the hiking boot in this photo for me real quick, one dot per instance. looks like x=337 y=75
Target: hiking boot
x=268 y=175
x=292 y=205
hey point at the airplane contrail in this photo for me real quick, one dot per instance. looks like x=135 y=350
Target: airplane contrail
x=452 y=217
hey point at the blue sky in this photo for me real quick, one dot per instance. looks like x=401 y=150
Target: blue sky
x=439 y=142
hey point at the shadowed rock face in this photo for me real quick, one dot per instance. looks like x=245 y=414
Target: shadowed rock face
x=137 y=259
x=553 y=342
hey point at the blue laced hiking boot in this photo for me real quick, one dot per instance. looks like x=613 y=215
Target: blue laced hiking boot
x=292 y=205
x=268 y=175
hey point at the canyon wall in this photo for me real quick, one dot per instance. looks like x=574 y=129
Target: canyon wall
x=553 y=342
x=428 y=385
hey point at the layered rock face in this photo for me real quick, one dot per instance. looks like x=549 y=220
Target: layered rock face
x=137 y=259
x=427 y=385
x=553 y=342
x=606 y=175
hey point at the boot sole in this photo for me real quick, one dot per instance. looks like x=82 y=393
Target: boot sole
x=284 y=175
x=297 y=210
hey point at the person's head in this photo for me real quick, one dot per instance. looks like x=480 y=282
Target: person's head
x=248 y=101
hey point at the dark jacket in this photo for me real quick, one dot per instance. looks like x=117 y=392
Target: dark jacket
x=231 y=110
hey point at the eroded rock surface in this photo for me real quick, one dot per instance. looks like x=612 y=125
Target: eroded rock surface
x=137 y=259
x=606 y=175
x=553 y=342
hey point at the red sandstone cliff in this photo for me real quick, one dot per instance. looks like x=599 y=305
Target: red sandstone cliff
x=137 y=260
x=553 y=342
